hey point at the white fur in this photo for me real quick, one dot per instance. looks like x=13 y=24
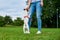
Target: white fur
x=26 y=26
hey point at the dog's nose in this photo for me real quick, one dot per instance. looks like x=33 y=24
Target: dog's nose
x=23 y=9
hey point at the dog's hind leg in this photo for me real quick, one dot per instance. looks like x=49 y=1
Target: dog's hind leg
x=24 y=28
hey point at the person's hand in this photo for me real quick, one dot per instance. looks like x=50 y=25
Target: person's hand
x=41 y=3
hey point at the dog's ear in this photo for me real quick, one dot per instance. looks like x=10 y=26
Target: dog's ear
x=27 y=10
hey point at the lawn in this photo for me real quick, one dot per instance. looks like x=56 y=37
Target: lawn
x=16 y=33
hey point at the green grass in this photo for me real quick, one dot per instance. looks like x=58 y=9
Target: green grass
x=16 y=33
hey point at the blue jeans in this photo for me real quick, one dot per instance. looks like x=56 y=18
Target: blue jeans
x=36 y=6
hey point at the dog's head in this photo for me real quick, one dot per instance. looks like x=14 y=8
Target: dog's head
x=26 y=10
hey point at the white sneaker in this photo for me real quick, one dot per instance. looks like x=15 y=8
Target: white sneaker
x=39 y=32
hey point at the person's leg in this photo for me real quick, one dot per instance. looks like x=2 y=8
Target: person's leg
x=38 y=14
x=31 y=11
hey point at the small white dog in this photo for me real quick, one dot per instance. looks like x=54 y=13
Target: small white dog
x=26 y=26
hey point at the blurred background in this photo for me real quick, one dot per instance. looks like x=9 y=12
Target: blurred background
x=11 y=14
